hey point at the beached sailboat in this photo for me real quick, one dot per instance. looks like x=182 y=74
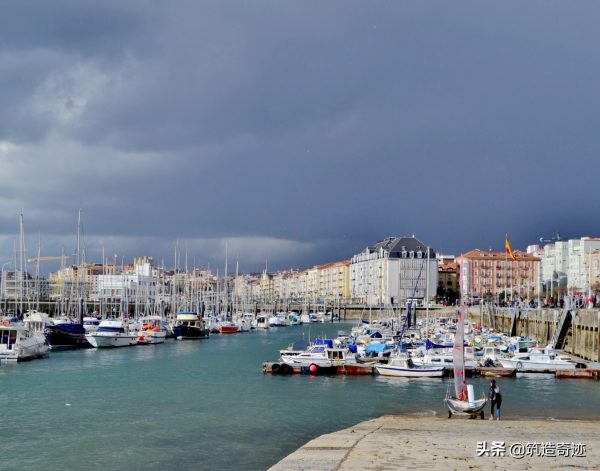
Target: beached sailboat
x=463 y=402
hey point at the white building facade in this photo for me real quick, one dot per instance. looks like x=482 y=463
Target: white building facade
x=566 y=264
x=392 y=271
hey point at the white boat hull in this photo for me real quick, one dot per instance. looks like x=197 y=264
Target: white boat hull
x=537 y=365
x=152 y=338
x=386 y=370
x=97 y=340
x=459 y=407
x=26 y=347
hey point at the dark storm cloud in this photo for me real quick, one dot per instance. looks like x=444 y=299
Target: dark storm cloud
x=313 y=128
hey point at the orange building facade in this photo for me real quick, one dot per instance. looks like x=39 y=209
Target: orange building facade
x=491 y=274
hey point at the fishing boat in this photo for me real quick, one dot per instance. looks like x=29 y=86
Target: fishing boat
x=463 y=402
x=403 y=366
x=112 y=333
x=190 y=326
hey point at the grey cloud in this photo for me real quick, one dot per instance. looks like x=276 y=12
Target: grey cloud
x=326 y=125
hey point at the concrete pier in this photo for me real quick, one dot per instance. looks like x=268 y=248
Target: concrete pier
x=399 y=442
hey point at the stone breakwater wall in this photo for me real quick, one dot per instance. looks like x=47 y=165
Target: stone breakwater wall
x=582 y=339
x=398 y=442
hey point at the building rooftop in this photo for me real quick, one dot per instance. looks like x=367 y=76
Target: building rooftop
x=477 y=254
x=396 y=245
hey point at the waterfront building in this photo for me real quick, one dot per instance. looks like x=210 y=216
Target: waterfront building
x=245 y=287
x=447 y=288
x=568 y=266
x=20 y=285
x=334 y=281
x=266 y=292
x=491 y=275
x=593 y=265
x=388 y=272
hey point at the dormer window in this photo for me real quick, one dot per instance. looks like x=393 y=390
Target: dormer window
x=419 y=254
x=404 y=254
x=412 y=254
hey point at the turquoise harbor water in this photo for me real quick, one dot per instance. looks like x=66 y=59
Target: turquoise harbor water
x=206 y=404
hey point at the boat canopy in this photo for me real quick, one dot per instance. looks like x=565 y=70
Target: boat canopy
x=300 y=345
x=375 y=348
x=327 y=342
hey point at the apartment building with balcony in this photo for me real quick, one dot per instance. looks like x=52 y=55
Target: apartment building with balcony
x=488 y=274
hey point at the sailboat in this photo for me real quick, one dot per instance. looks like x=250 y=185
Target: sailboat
x=463 y=402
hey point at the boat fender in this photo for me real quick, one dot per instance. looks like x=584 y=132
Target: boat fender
x=275 y=368
x=519 y=365
x=313 y=368
x=286 y=370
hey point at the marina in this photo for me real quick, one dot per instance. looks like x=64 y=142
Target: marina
x=163 y=404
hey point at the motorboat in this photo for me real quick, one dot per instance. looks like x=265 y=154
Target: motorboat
x=112 y=333
x=190 y=326
x=283 y=319
x=90 y=324
x=321 y=354
x=442 y=359
x=227 y=327
x=543 y=359
x=403 y=366
x=262 y=321
x=63 y=334
x=151 y=331
x=19 y=343
x=243 y=324
x=295 y=348
x=250 y=318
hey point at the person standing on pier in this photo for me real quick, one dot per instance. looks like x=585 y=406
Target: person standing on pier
x=492 y=398
x=498 y=404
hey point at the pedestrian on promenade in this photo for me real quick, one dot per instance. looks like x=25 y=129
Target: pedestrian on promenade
x=492 y=398
x=498 y=404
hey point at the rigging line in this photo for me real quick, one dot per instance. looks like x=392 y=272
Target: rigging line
x=409 y=305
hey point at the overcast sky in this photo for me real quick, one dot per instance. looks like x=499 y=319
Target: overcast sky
x=300 y=132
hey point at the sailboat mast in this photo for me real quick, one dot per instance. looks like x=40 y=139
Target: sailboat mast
x=21 y=261
x=427 y=297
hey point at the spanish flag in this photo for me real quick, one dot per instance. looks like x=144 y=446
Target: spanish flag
x=508 y=250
